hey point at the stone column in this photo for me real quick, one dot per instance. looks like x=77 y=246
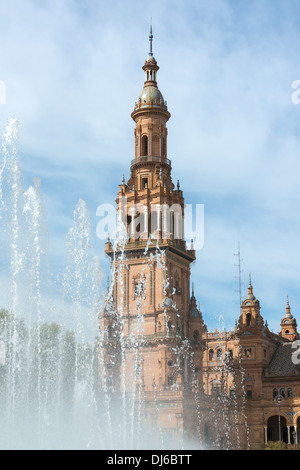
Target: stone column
x=289 y=434
x=266 y=435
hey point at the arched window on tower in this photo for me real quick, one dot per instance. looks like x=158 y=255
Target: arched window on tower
x=145 y=146
x=248 y=319
x=109 y=332
x=219 y=354
x=196 y=335
x=163 y=147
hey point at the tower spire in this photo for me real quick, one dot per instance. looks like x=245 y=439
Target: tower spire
x=151 y=38
x=288 y=308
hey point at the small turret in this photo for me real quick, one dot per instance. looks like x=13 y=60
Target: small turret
x=289 y=325
x=250 y=316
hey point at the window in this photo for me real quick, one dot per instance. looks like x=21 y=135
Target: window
x=196 y=335
x=248 y=318
x=219 y=353
x=109 y=332
x=170 y=380
x=282 y=392
x=211 y=354
x=248 y=352
x=177 y=288
x=249 y=393
x=163 y=147
x=289 y=393
x=144 y=183
x=145 y=146
x=275 y=392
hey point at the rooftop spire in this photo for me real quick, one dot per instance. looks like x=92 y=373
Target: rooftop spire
x=250 y=295
x=288 y=309
x=151 y=38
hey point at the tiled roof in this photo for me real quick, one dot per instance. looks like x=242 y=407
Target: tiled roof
x=281 y=364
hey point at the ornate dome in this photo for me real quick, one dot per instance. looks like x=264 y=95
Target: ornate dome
x=151 y=94
x=150 y=59
x=250 y=296
x=195 y=313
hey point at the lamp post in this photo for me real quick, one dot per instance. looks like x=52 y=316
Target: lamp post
x=278 y=401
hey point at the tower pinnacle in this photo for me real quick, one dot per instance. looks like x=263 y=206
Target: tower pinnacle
x=151 y=39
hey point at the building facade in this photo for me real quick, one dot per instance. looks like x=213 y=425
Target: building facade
x=215 y=387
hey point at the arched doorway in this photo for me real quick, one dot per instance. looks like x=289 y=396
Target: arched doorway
x=273 y=429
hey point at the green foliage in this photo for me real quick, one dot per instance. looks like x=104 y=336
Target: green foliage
x=275 y=445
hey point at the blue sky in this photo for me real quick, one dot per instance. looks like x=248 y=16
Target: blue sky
x=72 y=71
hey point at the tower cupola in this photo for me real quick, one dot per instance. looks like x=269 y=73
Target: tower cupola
x=289 y=324
x=150 y=95
x=250 y=311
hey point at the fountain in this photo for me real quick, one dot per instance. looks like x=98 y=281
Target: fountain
x=57 y=390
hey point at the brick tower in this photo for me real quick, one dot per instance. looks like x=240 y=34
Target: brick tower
x=154 y=328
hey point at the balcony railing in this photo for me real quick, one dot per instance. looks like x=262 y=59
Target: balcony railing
x=150 y=158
